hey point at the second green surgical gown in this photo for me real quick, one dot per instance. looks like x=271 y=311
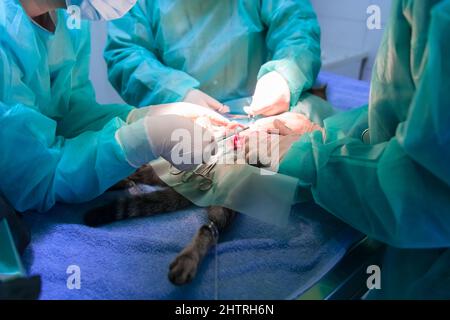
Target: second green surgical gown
x=164 y=48
x=56 y=142
x=397 y=188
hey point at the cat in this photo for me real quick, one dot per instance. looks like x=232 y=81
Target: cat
x=184 y=267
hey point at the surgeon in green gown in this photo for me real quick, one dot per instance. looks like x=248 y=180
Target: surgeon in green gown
x=392 y=181
x=210 y=52
x=57 y=144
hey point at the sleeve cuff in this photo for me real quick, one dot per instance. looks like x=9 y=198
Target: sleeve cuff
x=291 y=72
x=299 y=161
x=123 y=110
x=176 y=88
x=182 y=93
x=134 y=141
x=116 y=165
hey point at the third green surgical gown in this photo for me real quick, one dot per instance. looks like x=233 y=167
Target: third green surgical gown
x=397 y=188
x=164 y=48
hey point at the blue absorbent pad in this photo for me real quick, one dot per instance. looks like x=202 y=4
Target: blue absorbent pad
x=130 y=259
x=345 y=93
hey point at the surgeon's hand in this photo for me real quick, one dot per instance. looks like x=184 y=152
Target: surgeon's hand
x=272 y=96
x=183 y=109
x=177 y=139
x=287 y=123
x=268 y=141
x=263 y=149
x=200 y=98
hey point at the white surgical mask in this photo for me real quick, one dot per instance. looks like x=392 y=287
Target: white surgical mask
x=96 y=10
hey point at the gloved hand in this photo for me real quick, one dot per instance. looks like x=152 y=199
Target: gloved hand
x=263 y=149
x=272 y=96
x=287 y=123
x=266 y=146
x=184 y=109
x=200 y=98
x=176 y=139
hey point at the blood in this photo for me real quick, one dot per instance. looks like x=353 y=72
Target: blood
x=237 y=143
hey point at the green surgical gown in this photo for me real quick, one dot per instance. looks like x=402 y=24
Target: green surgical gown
x=397 y=188
x=164 y=48
x=57 y=143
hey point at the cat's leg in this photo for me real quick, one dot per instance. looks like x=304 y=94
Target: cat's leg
x=184 y=268
x=132 y=206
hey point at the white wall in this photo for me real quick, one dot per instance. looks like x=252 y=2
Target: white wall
x=344 y=26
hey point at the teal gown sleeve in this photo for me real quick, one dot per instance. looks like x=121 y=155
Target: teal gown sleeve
x=38 y=165
x=397 y=190
x=85 y=114
x=293 y=41
x=134 y=68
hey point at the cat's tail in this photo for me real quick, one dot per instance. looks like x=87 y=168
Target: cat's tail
x=133 y=206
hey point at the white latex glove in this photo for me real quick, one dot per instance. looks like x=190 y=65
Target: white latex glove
x=184 y=109
x=287 y=123
x=272 y=96
x=177 y=139
x=266 y=150
x=202 y=99
x=269 y=139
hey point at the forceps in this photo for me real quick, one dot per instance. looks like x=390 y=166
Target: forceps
x=203 y=172
x=250 y=118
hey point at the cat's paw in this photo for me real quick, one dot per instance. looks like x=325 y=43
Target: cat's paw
x=183 y=269
x=100 y=216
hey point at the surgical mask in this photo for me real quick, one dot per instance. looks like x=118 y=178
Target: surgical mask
x=96 y=10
